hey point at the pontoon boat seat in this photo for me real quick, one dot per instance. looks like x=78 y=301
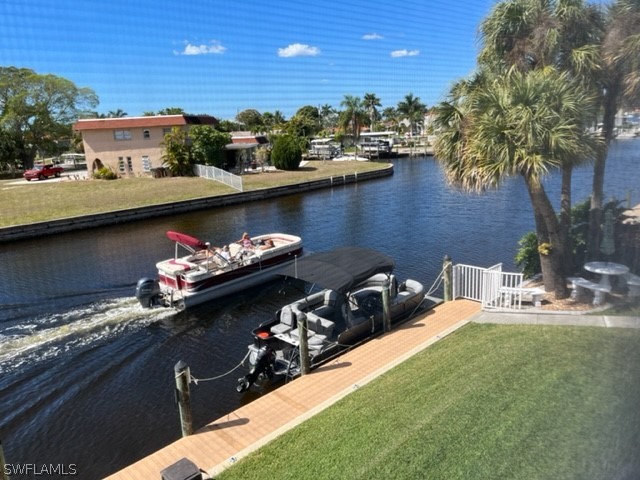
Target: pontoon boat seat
x=319 y=324
x=287 y=321
x=409 y=289
x=328 y=307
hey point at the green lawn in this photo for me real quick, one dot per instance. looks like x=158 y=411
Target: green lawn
x=48 y=200
x=488 y=402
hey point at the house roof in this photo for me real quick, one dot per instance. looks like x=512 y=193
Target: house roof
x=248 y=137
x=143 y=122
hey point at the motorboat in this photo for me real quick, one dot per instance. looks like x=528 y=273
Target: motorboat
x=348 y=309
x=199 y=273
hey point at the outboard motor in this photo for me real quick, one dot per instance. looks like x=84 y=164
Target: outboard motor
x=148 y=292
x=262 y=361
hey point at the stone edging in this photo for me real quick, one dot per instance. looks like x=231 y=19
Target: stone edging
x=33 y=230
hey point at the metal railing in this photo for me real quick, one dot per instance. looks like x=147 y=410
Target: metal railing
x=219 y=175
x=490 y=286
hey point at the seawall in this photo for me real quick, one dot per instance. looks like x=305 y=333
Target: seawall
x=52 y=227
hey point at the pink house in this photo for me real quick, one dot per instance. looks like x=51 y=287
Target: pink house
x=131 y=146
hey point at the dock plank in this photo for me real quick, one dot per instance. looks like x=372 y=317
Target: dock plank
x=220 y=443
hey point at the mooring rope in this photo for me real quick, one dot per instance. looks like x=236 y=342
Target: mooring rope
x=196 y=380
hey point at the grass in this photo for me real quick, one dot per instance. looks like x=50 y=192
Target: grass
x=42 y=201
x=488 y=402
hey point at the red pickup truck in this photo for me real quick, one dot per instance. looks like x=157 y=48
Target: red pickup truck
x=43 y=171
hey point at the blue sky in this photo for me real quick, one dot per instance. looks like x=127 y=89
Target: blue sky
x=220 y=57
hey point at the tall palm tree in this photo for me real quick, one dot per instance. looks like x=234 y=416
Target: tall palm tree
x=620 y=80
x=353 y=115
x=412 y=110
x=370 y=102
x=517 y=124
x=328 y=116
x=534 y=34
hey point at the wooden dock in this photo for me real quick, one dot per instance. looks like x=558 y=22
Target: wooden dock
x=228 y=439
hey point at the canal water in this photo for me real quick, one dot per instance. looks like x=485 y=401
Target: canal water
x=86 y=376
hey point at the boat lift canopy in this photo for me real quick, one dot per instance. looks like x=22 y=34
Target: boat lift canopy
x=340 y=269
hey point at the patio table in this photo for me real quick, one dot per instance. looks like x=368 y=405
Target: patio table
x=606 y=270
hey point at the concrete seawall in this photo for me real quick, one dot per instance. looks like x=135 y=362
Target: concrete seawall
x=33 y=230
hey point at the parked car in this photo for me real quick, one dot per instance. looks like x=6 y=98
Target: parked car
x=43 y=171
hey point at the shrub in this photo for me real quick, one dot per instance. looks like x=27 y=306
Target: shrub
x=104 y=173
x=286 y=153
x=528 y=257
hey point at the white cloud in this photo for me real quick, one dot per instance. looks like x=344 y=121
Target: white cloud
x=405 y=53
x=372 y=36
x=298 y=50
x=213 y=47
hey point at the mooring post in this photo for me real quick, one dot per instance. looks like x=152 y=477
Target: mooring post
x=447 y=272
x=386 y=306
x=304 y=343
x=3 y=469
x=183 y=397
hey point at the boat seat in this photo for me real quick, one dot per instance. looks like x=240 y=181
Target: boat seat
x=319 y=324
x=287 y=321
x=330 y=298
x=324 y=311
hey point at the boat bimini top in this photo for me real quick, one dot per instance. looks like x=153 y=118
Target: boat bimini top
x=340 y=269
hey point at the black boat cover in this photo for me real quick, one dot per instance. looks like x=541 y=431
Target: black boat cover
x=340 y=269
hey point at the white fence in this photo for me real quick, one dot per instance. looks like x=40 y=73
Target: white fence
x=491 y=286
x=219 y=175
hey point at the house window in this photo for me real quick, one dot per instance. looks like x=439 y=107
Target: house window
x=146 y=134
x=165 y=131
x=146 y=163
x=121 y=165
x=130 y=164
x=122 y=134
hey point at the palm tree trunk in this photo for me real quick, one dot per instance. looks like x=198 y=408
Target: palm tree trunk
x=597 y=193
x=565 y=216
x=548 y=231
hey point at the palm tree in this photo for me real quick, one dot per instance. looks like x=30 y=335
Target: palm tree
x=177 y=153
x=412 y=110
x=370 y=102
x=601 y=50
x=390 y=117
x=119 y=113
x=328 y=116
x=535 y=34
x=517 y=124
x=620 y=80
x=353 y=115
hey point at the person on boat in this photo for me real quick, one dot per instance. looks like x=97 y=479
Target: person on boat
x=224 y=252
x=246 y=241
x=268 y=243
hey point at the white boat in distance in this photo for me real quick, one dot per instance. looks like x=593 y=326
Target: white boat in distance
x=206 y=273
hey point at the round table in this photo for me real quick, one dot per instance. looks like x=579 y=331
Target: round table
x=606 y=270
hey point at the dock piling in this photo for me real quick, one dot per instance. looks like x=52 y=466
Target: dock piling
x=304 y=345
x=386 y=307
x=183 y=397
x=447 y=272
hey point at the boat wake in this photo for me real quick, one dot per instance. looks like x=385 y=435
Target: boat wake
x=48 y=336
